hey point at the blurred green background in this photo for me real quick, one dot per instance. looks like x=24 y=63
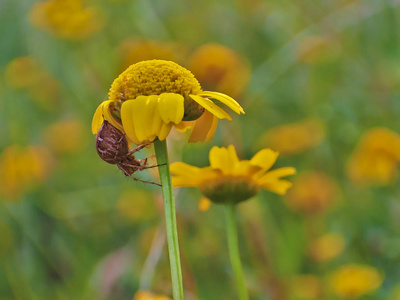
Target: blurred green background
x=319 y=82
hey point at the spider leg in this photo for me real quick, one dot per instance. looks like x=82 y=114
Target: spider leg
x=134 y=178
x=136 y=149
x=139 y=167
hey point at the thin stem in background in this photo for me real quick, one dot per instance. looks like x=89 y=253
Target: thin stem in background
x=234 y=255
x=170 y=218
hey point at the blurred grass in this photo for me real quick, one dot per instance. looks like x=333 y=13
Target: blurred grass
x=335 y=61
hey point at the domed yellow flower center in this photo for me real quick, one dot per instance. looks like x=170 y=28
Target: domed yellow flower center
x=231 y=189
x=154 y=77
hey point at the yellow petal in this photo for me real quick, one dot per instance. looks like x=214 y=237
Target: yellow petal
x=212 y=130
x=223 y=159
x=281 y=172
x=265 y=159
x=225 y=99
x=180 y=168
x=184 y=125
x=277 y=186
x=211 y=107
x=103 y=112
x=170 y=107
x=202 y=128
x=164 y=131
x=127 y=120
x=98 y=119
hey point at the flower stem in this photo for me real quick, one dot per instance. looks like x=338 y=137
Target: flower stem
x=170 y=218
x=234 y=255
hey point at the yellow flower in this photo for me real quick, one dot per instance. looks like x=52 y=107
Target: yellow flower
x=376 y=159
x=25 y=73
x=151 y=97
x=294 y=138
x=327 y=247
x=65 y=136
x=312 y=192
x=145 y=295
x=22 y=168
x=352 y=281
x=219 y=67
x=229 y=179
x=66 y=18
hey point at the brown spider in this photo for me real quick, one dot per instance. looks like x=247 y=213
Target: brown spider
x=112 y=147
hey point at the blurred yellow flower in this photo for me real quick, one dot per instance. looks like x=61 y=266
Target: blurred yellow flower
x=327 y=247
x=134 y=50
x=305 y=287
x=229 y=179
x=204 y=204
x=150 y=97
x=219 y=67
x=22 y=168
x=66 y=18
x=27 y=74
x=376 y=159
x=145 y=295
x=295 y=137
x=353 y=281
x=65 y=136
x=312 y=192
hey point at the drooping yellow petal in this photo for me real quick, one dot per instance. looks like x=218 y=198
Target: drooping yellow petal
x=164 y=131
x=181 y=168
x=143 y=113
x=223 y=159
x=225 y=99
x=265 y=159
x=204 y=128
x=184 y=125
x=213 y=128
x=103 y=112
x=127 y=120
x=170 y=107
x=211 y=107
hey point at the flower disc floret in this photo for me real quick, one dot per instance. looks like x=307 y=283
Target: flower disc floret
x=155 y=77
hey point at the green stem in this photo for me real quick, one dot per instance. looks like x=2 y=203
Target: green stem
x=234 y=255
x=170 y=218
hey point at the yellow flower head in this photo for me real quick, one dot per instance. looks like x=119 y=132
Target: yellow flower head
x=145 y=295
x=22 y=168
x=219 y=67
x=312 y=192
x=352 y=281
x=295 y=137
x=327 y=247
x=66 y=18
x=376 y=159
x=229 y=179
x=151 y=97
